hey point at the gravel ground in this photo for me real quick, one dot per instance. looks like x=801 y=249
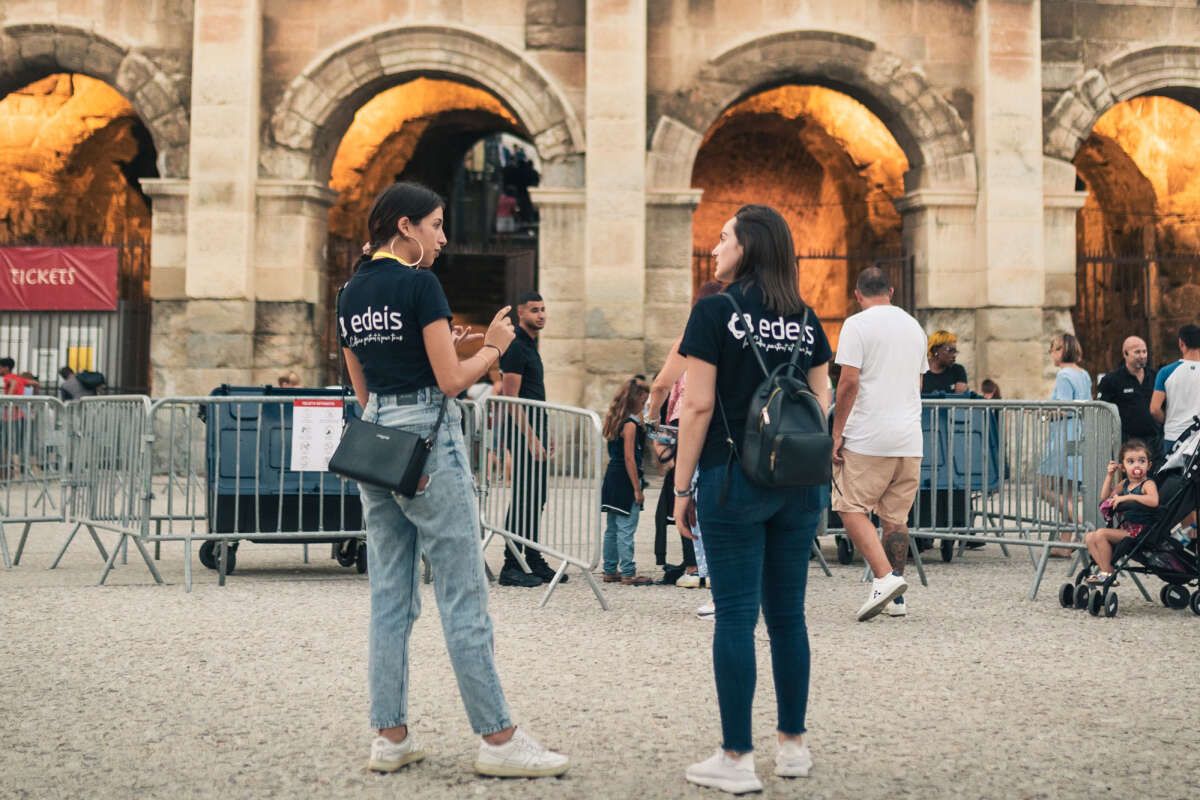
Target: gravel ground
x=258 y=689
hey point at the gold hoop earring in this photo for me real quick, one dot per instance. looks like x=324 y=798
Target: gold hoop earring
x=420 y=258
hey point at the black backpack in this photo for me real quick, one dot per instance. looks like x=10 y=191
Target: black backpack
x=90 y=380
x=787 y=441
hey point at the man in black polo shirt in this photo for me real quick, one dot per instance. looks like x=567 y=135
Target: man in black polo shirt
x=1129 y=388
x=524 y=377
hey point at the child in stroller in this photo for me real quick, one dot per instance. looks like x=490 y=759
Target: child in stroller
x=1155 y=550
x=1129 y=506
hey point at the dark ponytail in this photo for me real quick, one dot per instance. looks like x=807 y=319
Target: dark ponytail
x=403 y=199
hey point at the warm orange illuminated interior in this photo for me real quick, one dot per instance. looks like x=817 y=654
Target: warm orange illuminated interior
x=828 y=164
x=1141 y=169
x=387 y=132
x=71 y=149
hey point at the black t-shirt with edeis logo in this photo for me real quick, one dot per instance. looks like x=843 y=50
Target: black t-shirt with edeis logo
x=382 y=315
x=715 y=334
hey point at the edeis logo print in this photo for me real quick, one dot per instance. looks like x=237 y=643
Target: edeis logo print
x=372 y=327
x=772 y=334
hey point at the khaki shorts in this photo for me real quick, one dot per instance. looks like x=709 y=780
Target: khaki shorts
x=885 y=485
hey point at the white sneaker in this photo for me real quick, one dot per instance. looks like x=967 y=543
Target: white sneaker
x=520 y=757
x=707 y=611
x=389 y=756
x=793 y=760
x=896 y=608
x=719 y=771
x=883 y=591
x=688 y=580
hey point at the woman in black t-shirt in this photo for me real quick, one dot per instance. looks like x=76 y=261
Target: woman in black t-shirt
x=757 y=540
x=393 y=320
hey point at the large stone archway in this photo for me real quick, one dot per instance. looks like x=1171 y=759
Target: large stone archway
x=938 y=208
x=319 y=104
x=32 y=51
x=927 y=127
x=1170 y=70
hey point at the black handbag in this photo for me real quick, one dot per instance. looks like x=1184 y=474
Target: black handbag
x=377 y=455
x=388 y=458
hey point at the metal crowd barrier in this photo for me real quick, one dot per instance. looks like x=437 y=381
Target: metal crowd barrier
x=1012 y=473
x=33 y=458
x=221 y=473
x=541 y=468
x=107 y=474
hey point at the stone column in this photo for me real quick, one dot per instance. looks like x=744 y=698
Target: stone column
x=291 y=313
x=168 y=290
x=939 y=232
x=1061 y=206
x=1008 y=131
x=668 y=270
x=615 y=171
x=222 y=168
x=561 y=283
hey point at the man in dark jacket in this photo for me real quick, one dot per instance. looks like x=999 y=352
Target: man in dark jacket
x=1129 y=388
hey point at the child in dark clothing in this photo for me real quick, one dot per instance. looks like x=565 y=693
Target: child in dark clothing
x=621 y=496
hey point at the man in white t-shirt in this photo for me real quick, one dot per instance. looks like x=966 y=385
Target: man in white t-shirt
x=877 y=442
x=1176 y=398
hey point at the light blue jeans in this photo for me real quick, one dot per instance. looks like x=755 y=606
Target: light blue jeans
x=442 y=522
x=618 y=541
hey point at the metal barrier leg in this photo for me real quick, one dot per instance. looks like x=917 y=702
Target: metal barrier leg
x=109 y=563
x=141 y=546
x=187 y=564
x=916 y=554
x=4 y=547
x=21 y=544
x=1041 y=570
x=222 y=556
x=1140 y=587
x=124 y=545
x=306 y=552
x=553 y=585
x=821 y=559
x=62 y=551
x=591 y=579
x=428 y=569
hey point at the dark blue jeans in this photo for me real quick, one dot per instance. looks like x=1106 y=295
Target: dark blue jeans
x=758 y=543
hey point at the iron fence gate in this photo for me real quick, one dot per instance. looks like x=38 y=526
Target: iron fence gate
x=1148 y=295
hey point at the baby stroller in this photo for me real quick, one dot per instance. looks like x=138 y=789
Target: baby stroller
x=1155 y=552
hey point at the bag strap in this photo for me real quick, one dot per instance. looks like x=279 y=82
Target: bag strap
x=348 y=391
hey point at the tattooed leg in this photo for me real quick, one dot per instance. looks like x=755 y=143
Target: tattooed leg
x=895 y=544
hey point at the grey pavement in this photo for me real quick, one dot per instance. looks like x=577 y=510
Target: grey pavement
x=258 y=689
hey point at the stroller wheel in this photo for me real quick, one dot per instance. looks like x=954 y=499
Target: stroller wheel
x=1082 y=592
x=947 y=546
x=1110 y=604
x=1095 y=604
x=360 y=562
x=1066 y=595
x=1195 y=604
x=1174 y=596
x=845 y=549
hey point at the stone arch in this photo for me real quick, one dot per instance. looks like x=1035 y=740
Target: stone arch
x=32 y=51
x=319 y=104
x=1169 y=70
x=926 y=126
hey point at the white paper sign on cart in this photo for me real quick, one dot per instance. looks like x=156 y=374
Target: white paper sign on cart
x=316 y=431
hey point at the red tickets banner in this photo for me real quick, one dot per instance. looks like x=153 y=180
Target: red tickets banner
x=58 y=278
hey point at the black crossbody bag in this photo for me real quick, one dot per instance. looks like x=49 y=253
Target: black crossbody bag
x=380 y=456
